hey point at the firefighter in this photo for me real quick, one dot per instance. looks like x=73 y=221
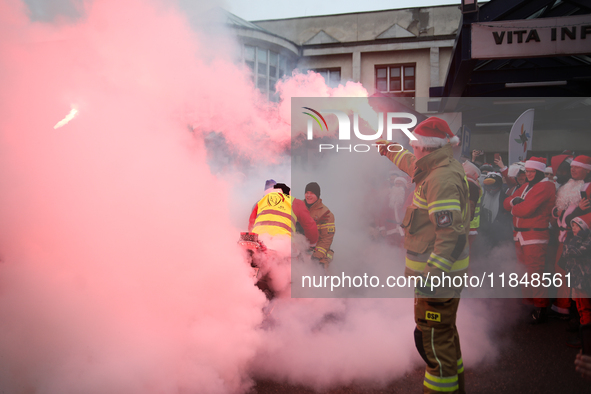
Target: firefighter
x=436 y=238
x=324 y=219
x=531 y=207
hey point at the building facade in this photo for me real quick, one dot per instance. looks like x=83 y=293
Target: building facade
x=399 y=53
x=425 y=54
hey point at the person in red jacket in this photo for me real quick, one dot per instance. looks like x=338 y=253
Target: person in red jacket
x=569 y=205
x=561 y=168
x=531 y=206
x=514 y=175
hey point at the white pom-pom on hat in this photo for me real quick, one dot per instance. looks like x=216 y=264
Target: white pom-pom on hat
x=433 y=132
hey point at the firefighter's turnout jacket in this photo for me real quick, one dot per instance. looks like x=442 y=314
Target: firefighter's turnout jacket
x=277 y=214
x=436 y=227
x=437 y=222
x=324 y=219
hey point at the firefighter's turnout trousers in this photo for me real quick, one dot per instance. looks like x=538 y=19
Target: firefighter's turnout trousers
x=438 y=342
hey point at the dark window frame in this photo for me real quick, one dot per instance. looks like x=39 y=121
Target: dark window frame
x=391 y=83
x=328 y=70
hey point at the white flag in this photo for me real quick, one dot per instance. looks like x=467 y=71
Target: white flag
x=520 y=138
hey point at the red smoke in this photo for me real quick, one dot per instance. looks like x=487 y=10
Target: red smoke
x=119 y=267
x=120 y=271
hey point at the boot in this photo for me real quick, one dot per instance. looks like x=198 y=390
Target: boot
x=538 y=315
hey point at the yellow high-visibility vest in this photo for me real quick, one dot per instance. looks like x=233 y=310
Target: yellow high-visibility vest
x=475 y=223
x=274 y=215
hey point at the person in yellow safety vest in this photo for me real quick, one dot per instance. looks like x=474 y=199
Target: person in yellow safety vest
x=475 y=190
x=324 y=219
x=436 y=238
x=277 y=214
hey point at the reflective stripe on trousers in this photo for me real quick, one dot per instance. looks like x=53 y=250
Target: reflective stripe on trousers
x=438 y=343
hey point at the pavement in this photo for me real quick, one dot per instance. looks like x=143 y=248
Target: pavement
x=532 y=359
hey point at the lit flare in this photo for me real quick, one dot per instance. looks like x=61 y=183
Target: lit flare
x=71 y=115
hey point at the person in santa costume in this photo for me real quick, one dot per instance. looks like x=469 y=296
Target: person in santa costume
x=514 y=175
x=576 y=260
x=531 y=206
x=561 y=167
x=569 y=205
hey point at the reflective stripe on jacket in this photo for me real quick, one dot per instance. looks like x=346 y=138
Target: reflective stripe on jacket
x=274 y=215
x=438 y=221
x=324 y=219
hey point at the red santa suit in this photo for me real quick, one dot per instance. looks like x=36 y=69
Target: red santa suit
x=566 y=209
x=531 y=218
x=510 y=174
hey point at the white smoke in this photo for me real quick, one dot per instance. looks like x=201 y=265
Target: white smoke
x=120 y=271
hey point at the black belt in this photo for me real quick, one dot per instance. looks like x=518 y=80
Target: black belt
x=519 y=229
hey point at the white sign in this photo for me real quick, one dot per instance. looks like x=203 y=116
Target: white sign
x=520 y=138
x=568 y=35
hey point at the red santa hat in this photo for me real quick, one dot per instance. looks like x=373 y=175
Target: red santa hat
x=582 y=161
x=583 y=221
x=536 y=163
x=558 y=160
x=433 y=133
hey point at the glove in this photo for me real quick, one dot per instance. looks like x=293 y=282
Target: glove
x=317 y=254
x=517 y=200
x=383 y=146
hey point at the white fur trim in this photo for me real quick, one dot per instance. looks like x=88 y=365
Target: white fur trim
x=535 y=165
x=433 y=142
x=562 y=311
x=519 y=237
x=515 y=168
x=569 y=194
x=579 y=164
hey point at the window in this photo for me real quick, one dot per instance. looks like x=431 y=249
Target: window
x=266 y=67
x=399 y=79
x=332 y=76
x=262 y=70
x=249 y=57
